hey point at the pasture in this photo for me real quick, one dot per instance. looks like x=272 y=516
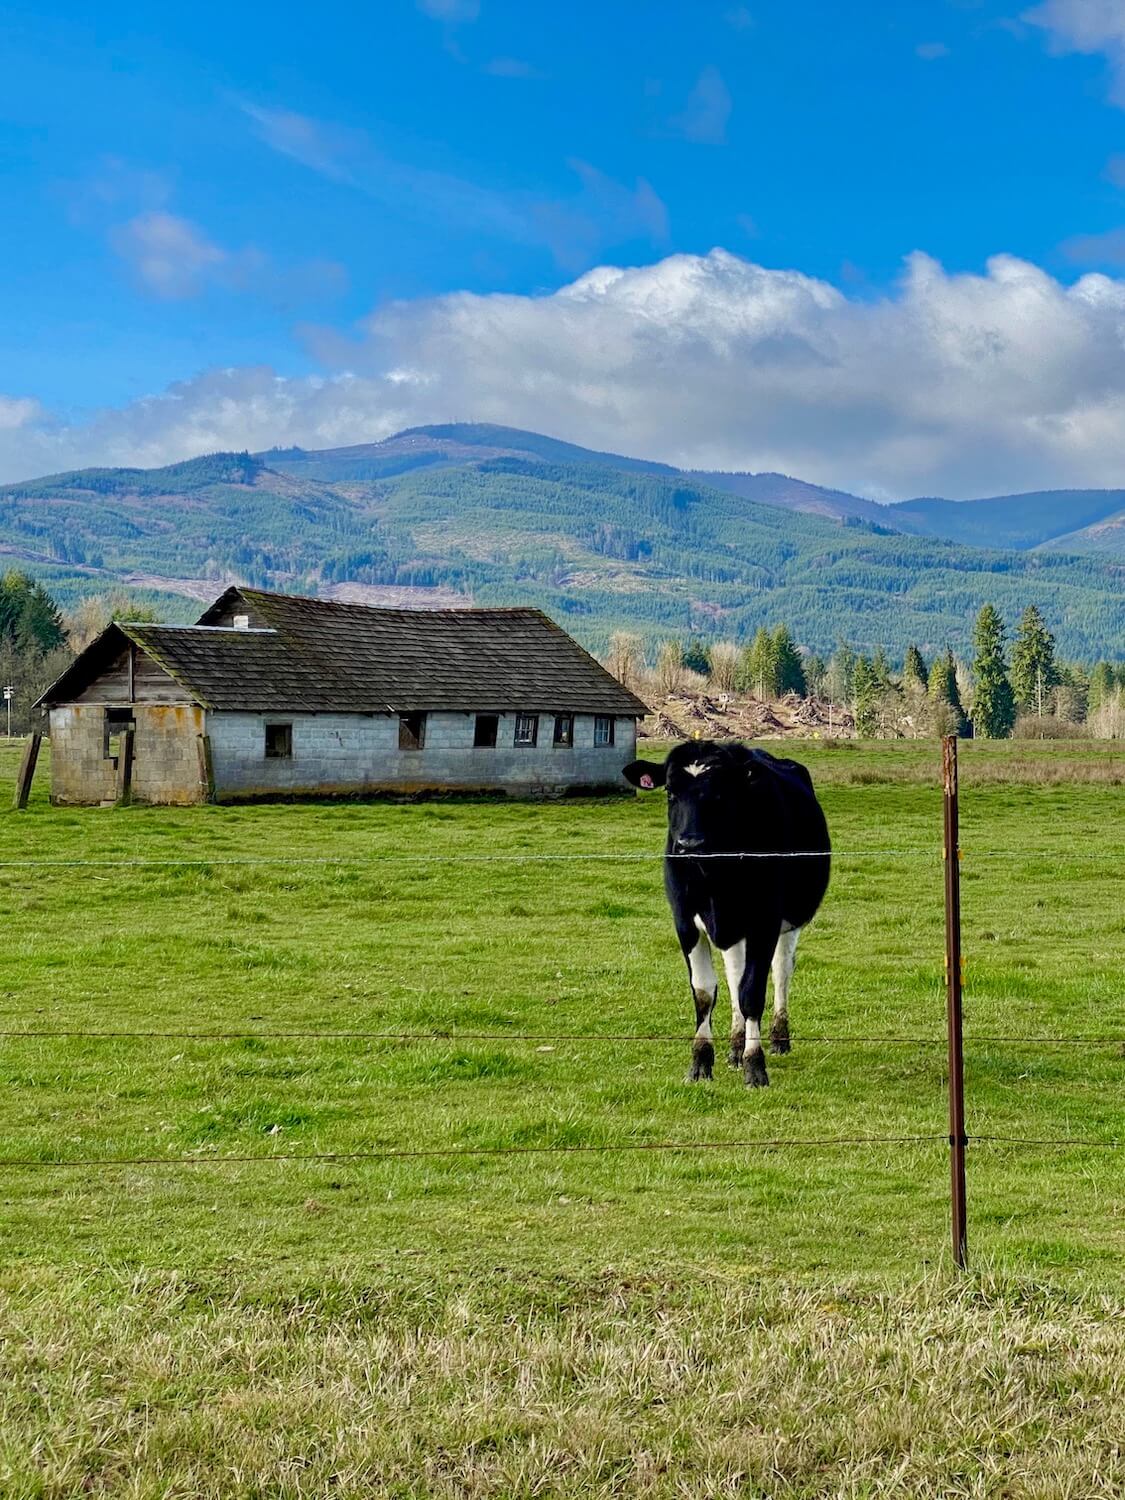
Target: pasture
x=782 y=1320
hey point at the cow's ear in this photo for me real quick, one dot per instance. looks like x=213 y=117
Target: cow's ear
x=646 y=774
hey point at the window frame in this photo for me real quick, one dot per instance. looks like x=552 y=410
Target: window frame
x=610 y=725
x=565 y=742
x=282 y=730
x=526 y=744
x=118 y=722
x=486 y=743
x=412 y=732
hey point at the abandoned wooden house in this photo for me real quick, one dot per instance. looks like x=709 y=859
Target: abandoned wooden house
x=274 y=695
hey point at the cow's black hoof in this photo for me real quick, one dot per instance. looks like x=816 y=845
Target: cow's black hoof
x=754 y=1071
x=737 y=1048
x=779 y=1042
x=702 y=1068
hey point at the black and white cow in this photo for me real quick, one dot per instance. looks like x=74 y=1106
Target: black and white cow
x=725 y=800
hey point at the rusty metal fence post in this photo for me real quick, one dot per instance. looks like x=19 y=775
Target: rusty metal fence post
x=951 y=853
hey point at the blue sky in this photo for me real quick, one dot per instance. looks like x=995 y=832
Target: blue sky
x=299 y=190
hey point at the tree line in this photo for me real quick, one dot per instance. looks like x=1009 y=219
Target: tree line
x=38 y=641
x=992 y=695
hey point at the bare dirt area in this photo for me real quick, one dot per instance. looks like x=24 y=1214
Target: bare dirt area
x=721 y=716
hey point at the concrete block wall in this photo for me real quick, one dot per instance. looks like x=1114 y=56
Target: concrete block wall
x=166 y=766
x=80 y=771
x=341 y=753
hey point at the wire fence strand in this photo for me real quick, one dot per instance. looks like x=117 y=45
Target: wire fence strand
x=445 y=1152
x=615 y=1148
x=571 y=857
x=641 y=1037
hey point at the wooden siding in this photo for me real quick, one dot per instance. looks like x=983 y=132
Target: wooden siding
x=151 y=684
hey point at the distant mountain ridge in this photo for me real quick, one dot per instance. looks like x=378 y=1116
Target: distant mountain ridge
x=1038 y=518
x=472 y=512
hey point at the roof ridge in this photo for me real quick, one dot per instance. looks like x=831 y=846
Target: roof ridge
x=387 y=609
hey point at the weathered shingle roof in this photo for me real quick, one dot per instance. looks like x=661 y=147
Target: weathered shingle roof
x=314 y=655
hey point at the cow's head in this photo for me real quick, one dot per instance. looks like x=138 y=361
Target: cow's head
x=707 y=784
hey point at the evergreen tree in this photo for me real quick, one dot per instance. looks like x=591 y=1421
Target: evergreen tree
x=915 y=678
x=788 y=667
x=757 y=671
x=29 y=617
x=881 y=669
x=1034 y=672
x=866 y=699
x=816 y=671
x=994 y=706
x=694 y=657
x=949 y=715
x=841 y=673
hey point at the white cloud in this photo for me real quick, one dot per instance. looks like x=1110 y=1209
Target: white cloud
x=18 y=411
x=952 y=384
x=173 y=259
x=1086 y=26
x=704 y=118
x=169 y=256
x=601 y=215
x=1106 y=249
x=327 y=149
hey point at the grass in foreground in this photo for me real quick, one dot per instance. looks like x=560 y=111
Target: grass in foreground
x=380 y=1382
x=556 y=1324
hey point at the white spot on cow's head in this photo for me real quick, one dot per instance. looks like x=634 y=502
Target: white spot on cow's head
x=697 y=768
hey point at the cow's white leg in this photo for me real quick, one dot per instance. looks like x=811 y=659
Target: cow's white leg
x=704 y=988
x=746 y=979
x=737 y=1020
x=784 y=957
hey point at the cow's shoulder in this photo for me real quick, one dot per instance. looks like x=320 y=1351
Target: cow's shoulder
x=787 y=770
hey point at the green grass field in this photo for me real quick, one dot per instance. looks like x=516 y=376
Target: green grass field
x=731 y=1320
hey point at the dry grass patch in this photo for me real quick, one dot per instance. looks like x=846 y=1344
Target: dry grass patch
x=377 y=1383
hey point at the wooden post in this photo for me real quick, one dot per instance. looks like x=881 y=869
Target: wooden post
x=953 y=983
x=206 y=768
x=26 y=772
x=125 y=769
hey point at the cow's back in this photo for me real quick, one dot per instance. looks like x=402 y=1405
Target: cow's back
x=799 y=828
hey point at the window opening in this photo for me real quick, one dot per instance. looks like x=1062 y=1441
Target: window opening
x=118 y=721
x=411 y=731
x=279 y=741
x=564 y=731
x=487 y=728
x=603 y=730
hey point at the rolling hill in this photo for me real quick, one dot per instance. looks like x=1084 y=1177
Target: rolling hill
x=493 y=515
x=1072 y=520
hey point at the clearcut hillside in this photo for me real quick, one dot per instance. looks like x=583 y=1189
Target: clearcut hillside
x=599 y=541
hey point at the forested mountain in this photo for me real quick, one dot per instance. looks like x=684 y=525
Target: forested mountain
x=496 y=516
x=1072 y=520
x=1043 y=518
